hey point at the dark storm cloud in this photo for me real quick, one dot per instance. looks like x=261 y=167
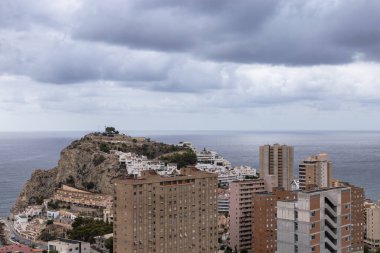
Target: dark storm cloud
x=170 y=25
x=294 y=32
x=181 y=46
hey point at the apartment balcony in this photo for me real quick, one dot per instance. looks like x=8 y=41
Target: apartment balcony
x=331 y=232
x=330 y=211
x=329 y=202
x=331 y=224
x=330 y=246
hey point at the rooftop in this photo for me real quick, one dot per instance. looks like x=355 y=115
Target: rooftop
x=152 y=176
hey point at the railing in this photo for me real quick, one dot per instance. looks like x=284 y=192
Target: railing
x=331 y=237
x=330 y=246
x=329 y=222
x=329 y=202
x=331 y=232
x=331 y=211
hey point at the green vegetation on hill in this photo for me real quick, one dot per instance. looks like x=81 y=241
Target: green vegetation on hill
x=109 y=244
x=146 y=148
x=85 y=229
x=104 y=148
x=182 y=159
x=47 y=236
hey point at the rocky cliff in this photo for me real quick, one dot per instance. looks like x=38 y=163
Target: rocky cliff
x=89 y=164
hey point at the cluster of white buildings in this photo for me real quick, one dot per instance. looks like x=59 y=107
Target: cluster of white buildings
x=27 y=222
x=29 y=228
x=135 y=164
x=211 y=161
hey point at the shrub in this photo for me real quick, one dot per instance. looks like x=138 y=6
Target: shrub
x=85 y=229
x=104 y=148
x=183 y=159
x=99 y=159
x=89 y=185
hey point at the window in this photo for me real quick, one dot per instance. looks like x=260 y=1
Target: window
x=312 y=213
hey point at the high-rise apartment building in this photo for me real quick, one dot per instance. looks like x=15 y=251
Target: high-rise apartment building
x=315 y=172
x=319 y=221
x=241 y=193
x=372 y=238
x=277 y=160
x=264 y=219
x=357 y=218
x=166 y=214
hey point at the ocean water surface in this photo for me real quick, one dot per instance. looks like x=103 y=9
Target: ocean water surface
x=355 y=155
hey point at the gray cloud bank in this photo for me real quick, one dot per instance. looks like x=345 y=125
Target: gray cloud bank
x=193 y=56
x=49 y=39
x=291 y=32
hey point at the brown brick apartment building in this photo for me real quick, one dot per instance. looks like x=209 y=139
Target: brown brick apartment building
x=264 y=219
x=156 y=214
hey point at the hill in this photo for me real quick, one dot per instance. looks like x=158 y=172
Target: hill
x=89 y=164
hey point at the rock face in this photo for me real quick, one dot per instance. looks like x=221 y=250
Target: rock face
x=87 y=164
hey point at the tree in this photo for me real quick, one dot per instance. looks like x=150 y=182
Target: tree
x=109 y=244
x=228 y=250
x=46 y=236
x=53 y=205
x=182 y=159
x=243 y=251
x=85 y=229
x=110 y=130
x=104 y=148
x=89 y=185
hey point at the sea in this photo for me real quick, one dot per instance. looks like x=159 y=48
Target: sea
x=355 y=155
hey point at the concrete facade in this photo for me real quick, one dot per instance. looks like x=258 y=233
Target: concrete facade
x=319 y=221
x=372 y=238
x=264 y=219
x=277 y=160
x=166 y=214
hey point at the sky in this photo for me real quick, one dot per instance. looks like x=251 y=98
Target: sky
x=189 y=65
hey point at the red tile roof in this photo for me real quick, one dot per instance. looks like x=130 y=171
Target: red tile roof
x=16 y=248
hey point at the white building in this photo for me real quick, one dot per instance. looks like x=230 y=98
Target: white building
x=51 y=215
x=223 y=203
x=186 y=144
x=211 y=161
x=226 y=176
x=108 y=214
x=68 y=246
x=295 y=185
x=32 y=211
x=20 y=222
x=135 y=164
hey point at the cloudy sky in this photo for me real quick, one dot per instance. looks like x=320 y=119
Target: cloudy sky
x=190 y=64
